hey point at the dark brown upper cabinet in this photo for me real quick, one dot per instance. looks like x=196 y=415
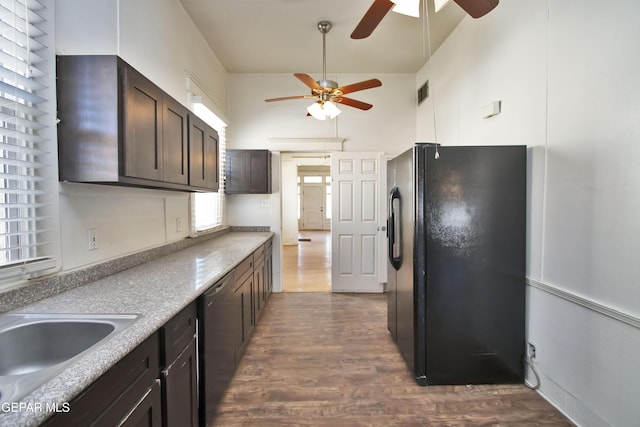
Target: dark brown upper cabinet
x=248 y=172
x=175 y=141
x=117 y=127
x=203 y=154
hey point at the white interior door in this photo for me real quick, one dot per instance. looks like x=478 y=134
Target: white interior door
x=313 y=207
x=356 y=221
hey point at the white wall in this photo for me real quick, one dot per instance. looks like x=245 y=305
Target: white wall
x=385 y=127
x=158 y=39
x=388 y=126
x=566 y=72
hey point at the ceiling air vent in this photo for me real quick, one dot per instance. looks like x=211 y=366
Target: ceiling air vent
x=423 y=92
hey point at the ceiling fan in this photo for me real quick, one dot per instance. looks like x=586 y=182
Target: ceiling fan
x=327 y=93
x=379 y=8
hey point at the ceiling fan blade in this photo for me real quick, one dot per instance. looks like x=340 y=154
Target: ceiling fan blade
x=309 y=81
x=367 y=84
x=286 y=98
x=477 y=8
x=353 y=103
x=371 y=19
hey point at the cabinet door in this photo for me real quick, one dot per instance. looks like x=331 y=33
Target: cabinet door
x=236 y=172
x=142 y=120
x=248 y=310
x=259 y=171
x=248 y=172
x=268 y=270
x=175 y=141
x=180 y=406
x=203 y=155
x=148 y=411
x=259 y=289
x=243 y=303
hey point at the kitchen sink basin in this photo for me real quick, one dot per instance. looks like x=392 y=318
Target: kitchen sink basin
x=36 y=347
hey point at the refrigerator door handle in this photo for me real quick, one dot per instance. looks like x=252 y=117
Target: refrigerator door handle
x=393 y=229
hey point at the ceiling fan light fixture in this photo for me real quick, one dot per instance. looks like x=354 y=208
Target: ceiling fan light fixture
x=407 y=7
x=331 y=110
x=323 y=110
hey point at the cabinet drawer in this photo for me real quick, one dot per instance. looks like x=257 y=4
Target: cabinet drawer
x=177 y=333
x=258 y=255
x=111 y=397
x=243 y=270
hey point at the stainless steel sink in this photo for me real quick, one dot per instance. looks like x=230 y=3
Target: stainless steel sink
x=36 y=347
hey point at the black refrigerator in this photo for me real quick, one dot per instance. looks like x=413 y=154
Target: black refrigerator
x=456 y=285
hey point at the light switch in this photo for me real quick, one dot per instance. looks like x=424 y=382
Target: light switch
x=491 y=109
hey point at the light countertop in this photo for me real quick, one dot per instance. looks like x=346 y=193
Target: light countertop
x=155 y=290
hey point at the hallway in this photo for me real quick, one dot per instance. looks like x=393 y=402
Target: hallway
x=307 y=266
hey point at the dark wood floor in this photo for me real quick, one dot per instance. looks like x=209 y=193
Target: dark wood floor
x=326 y=359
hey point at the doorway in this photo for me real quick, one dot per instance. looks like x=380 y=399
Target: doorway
x=314 y=197
x=306 y=195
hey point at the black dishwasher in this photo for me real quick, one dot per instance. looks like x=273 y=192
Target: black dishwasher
x=217 y=326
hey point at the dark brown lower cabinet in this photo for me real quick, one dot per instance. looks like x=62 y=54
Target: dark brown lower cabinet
x=148 y=411
x=268 y=269
x=173 y=379
x=180 y=369
x=180 y=396
x=128 y=387
x=259 y=290
x=244 y=303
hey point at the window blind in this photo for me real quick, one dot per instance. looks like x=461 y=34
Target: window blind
x=25 y=152
x=208 y=208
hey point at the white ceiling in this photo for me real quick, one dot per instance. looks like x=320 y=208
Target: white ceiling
x=281 y=36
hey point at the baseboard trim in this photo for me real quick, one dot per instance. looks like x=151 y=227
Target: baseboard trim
x=613 y=313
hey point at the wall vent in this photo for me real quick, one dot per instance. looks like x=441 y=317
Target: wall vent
x=423 y=92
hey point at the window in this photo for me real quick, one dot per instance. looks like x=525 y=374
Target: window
x=28 y=180
x=208 y=208
x=312 y=179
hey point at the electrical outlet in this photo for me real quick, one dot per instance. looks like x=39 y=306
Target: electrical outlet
x=532 y=350
x=92 y=239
